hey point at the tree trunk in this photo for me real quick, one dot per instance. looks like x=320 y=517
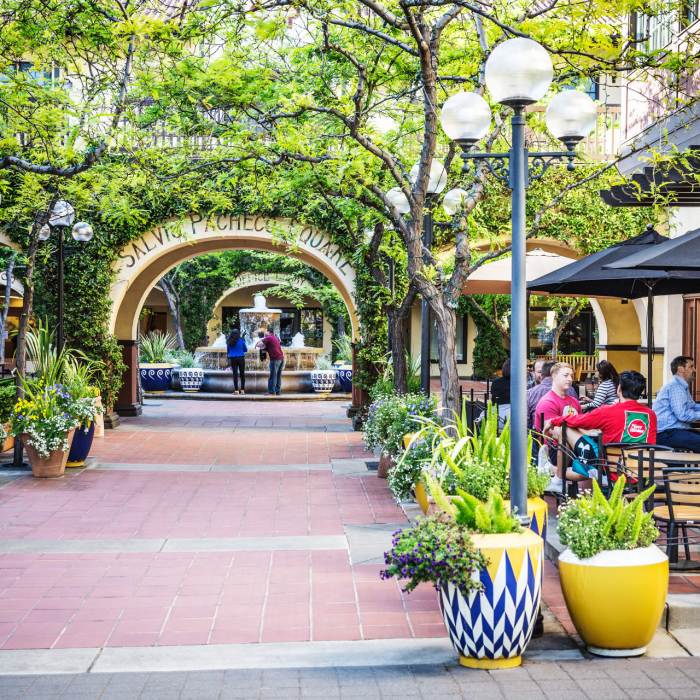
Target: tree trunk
x=6 y=305
x=340 y=324
x=174 y=305
x=398 y=325
x=446 y=321
x=21 y=352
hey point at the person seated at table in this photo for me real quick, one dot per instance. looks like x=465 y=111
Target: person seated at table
x=500 y=394
x=675 y=408
x=625 y=421
x=606 y=393
x=556 y=403
x=535 y=394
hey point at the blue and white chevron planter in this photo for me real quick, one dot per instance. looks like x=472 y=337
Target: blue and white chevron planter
x=491 y=628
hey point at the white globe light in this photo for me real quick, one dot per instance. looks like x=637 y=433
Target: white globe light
x=398 y=200
x=82 y=231
x=453 y=200
x=62 y=214
x=466 y=116
x=44 y=233
x=437 y=180
x=571 y=115
x=518 y=72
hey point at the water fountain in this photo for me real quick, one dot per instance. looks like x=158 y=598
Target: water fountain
x=259 y=319
x=299 y=359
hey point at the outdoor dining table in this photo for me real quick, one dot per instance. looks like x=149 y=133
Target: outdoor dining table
x=650 y=460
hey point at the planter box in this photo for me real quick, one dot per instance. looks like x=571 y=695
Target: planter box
x=191 y=378
x=81 y=445
x=615 y=598
x=386 y=464
x=490 y=629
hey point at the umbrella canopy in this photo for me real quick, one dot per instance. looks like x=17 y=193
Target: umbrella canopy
x=682 y=253
x=592 y=276
x=494 y=277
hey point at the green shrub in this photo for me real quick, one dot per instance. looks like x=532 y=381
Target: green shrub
x=154 y=347
x=8 y=398
x=403 y=477
x=591 y=524
x=390 y=418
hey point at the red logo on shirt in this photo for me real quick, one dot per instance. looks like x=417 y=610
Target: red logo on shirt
x=637 y=428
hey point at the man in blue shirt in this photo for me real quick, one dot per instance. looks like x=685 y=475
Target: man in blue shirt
x=676 y=410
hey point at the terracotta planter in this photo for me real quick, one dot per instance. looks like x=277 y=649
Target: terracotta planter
x=9 y=442
x=386 y=464
x=51 y=467
x=99 y=421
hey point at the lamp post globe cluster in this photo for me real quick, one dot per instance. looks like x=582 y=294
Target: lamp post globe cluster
x=62 y=217
x=518 y=73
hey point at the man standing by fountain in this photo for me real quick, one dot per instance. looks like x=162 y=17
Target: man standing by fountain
x=271 y=344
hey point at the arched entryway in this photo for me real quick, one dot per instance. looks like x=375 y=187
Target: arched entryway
x=144 y=261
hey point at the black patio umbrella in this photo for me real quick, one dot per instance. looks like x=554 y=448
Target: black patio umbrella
x=682 y=253
x=592 y=277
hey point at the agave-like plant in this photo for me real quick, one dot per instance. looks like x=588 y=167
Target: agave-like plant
x=47 y=362
x=155 y=346
x=343 y=348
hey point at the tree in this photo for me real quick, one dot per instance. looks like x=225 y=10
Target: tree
x=167 y=284
x=357 y=88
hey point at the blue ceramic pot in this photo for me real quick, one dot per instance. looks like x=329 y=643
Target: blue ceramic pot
x=80 y=447
x=156 y=377
x=345 y=378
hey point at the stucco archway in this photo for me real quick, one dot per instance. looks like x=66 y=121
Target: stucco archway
x=144 y=261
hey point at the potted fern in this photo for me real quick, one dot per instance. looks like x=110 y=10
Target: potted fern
x=323 y=376
x=613 y=576
x=154 y=368
x=478 y=461
x=486 y=568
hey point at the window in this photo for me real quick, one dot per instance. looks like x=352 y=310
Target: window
x=657 y=30
x=461 y=342
x=312 y=327
x=691 y=12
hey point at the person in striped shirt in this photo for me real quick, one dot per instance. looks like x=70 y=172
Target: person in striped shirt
x=606 y=393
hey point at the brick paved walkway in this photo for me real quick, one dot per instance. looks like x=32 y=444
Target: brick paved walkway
x=212 y=523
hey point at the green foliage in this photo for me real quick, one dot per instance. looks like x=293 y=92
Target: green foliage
x=8 y=397
x=591 y=524
x=323 y=362
x=487 y=518
x=436 y=551
x=478 y=462
x=384 y=385
x=390 y=418
x=343 y=349
x=154 y=347
x=489 y=352
x=413 y=461
x=182 y=358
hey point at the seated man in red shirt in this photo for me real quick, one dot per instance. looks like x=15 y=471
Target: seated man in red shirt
x=558 y=404
x=626 y=421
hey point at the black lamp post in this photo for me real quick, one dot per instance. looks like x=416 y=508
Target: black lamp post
x=62 y=216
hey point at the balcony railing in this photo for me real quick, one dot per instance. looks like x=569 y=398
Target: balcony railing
x=603 y=144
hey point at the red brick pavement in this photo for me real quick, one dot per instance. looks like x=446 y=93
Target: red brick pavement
x=164 y=598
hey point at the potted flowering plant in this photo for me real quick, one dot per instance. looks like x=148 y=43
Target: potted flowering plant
x=389 y=419
x=477 y=556
x=611 y=548
x=45 y=420
x=87 y=406
x=155 y=369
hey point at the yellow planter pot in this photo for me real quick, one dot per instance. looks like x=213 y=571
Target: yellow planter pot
x=537 y=514
x=491 y=628
x=615 y=598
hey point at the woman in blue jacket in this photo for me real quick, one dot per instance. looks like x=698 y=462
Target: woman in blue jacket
x=236 y=357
